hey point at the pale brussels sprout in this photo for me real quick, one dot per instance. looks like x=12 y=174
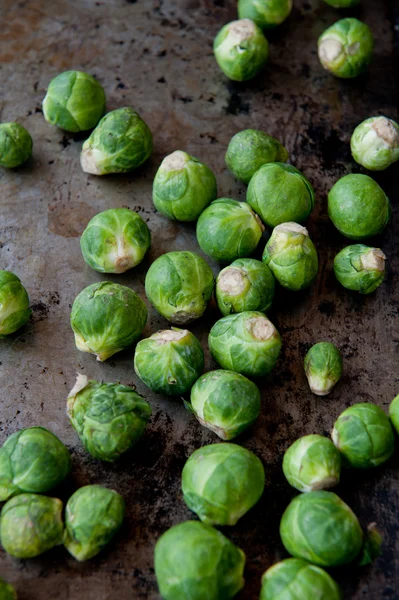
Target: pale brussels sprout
x=375 y=143
x=15 y=145
x=14 y=304
x=394 y=413
x=342 y=3
x=267 y=14
x=323 y=367
x=7 y=592
x=360 y=268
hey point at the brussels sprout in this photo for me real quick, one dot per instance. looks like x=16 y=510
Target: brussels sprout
x=323 y=367
x=169 y=361
x=247 y=284
x=15 y=145
x=32 y=460
x=279 y=193
x=246 y=342
x=342 y=3
x=93 y=515
x=360 y=268
x=375 y=143
x=267 y=14
x=14 y=304
x=225 y=402
x=7 y=591
x=241 y=50
x=121 y=142
x=248 y=150
x=75 y=101
x=195 y=561
x=183 y=187
x=371 y=546
x=115 y=240
x=346 y=48
x=364 y=436
x=293 y=578
x=291 y=256
x=109 y=418
x=106 y=318
x=394 y=413
x=30 y=525
x=228 y=230
x=179 y=285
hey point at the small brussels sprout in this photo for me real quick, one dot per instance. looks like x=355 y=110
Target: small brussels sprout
x=179 y=285
x=364 y=436
x=121 y=142
x=375 y=143
x=225 y=402
x=371 y=545
x=30 y=525
x=241 y=50
x=115 y=240
x=394 y=413
x=197 y=561
x=14 y=304
x=106 y=318
x=15 y=145
x=183 y=187
x=247 y=284
x=342 y=3
x=93 y=515
x=323 y=367
x=279 y=193
x=267 y=14
x=109 y=418
x=249 y=149
x=360 y=268
x=7 y=592
x=346 y=48
x=75 y=101
x=291 y=256
x=246 y=342
x=228 y=230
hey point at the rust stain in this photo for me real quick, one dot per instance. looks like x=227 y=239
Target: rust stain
x=69 y=220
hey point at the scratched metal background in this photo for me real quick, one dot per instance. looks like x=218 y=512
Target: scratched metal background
x=156 y=56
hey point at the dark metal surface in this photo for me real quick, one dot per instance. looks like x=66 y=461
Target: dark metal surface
x=157 y=58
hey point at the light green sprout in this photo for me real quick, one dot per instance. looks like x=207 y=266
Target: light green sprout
x=267 y=14
x=14 y=304
x=7 y=592
x=15 y=145
x=323 y=367
x=360 y=268
x=394 y=413
x=375 y=143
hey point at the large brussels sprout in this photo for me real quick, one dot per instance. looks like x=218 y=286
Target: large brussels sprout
x=75 y=101
x=267 y=14
x=323 y=367
x=93 y=515
x=109 y=418
x=121 y=142
x=241 y=50
x=360 y=268
x=246 y=342
x=7 y=592
x=364 y=436
x=375 y=143
x=179 y=285
x=228 y=230
x=225 y=402
x=14 y=304
x=183 y=187
x=106 y=318
x=195 y=561
x=291 y=256
x=279 y=193
x=342 y=3
x=394 y=413
x=30 y=525
x=15 y=145
x=115 y=240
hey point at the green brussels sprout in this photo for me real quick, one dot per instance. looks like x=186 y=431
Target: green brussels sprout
x=346 y=48
x=7 y=592
x=375 y=143
x=15 y=145
x=371 y=546
x=195 y=561
x=249 y=149
x=115 y=240
x=14 y=304
x=228 y=230
x=342 y=3
x=312 y=463
x=106 y=318
x=247 y=284
x=75 y=101
x=169 y=361
x=246 y=342
x=109 y=418
x=323 y=367
x=183 y=187
x=32 y=460
x=364 y=436
x=360 y=268
x=320 y=528
x=179 y=285
x=225 y=402
x=93 y=515
x=293 y=578
x=30 y=525
x=279 y=193
x=394 y=413
x=121 y=142
x=241 y=50
x=291 y=256
x=222 y=482
x=267 y=14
